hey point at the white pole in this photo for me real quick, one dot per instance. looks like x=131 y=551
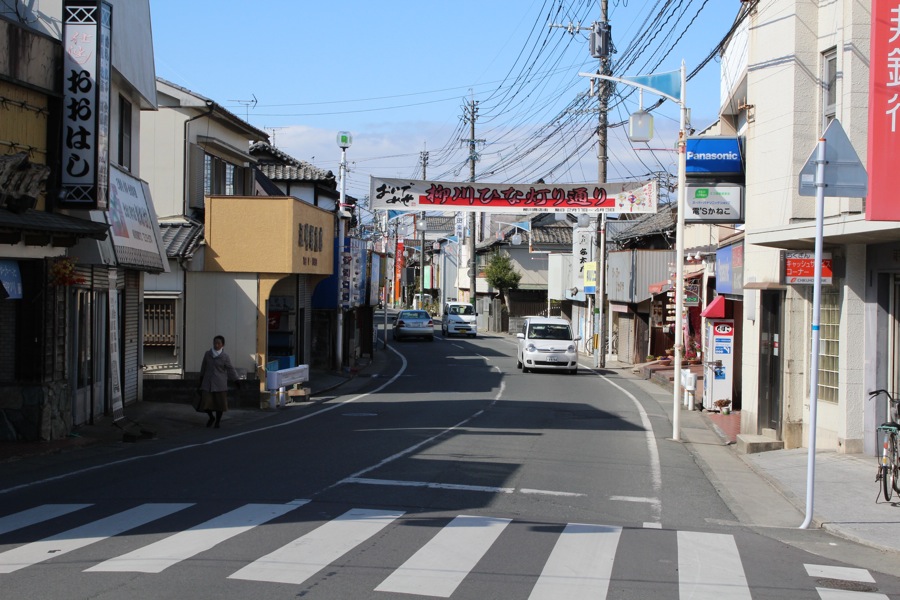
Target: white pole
x=339 y=346
x=814 y=353
x=679 y=261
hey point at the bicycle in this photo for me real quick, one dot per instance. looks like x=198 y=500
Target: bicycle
x=889 y=464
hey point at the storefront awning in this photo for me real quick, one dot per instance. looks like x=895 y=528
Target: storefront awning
x=715 y=309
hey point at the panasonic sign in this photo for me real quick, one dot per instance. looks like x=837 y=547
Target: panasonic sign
x=714 y=156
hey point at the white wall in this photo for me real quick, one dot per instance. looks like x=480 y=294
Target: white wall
x=221 y=304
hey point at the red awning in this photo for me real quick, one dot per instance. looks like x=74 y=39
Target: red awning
x=715 y=309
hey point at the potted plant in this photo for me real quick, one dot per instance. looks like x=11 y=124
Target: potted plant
x=723 y=405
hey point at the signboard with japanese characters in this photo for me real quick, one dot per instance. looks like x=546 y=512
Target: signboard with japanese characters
x=418 y=195
x=799 y=267
x=583 y=243
x=884 y=106
x=714 y=203
x=87 y=44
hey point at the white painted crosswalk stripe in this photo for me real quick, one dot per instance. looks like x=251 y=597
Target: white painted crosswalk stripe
x=57 y=545
x=304 y=557
x=161 y=555
x=830 y=594
x=696 y=580
x=38 y=514
x=580 y=565
x=442 y=564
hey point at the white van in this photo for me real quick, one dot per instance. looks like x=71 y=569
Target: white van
x=547 y=343
x=459 y=318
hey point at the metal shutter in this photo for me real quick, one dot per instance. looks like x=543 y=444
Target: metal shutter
x=626 y=338
x=131 y=348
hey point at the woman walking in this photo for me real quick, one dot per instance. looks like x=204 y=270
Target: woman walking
x=215 y=372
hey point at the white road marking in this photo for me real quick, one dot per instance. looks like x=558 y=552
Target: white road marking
x=307 y=555
x=580 y=565
x=414 y=447
x=57 y=545
x=37 y=514
x=709 y=567
x=845 y=573
x=440 y=566
x=830 y=594
x=161 y=555
x=635 y=499
x=649 y=525
x=456 y=486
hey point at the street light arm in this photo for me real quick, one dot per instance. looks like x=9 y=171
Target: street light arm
x=632 y=83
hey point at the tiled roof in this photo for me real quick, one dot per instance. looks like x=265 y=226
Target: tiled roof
x=657 y=223
x=545 y=231
x=279 y=166
x=181 y=238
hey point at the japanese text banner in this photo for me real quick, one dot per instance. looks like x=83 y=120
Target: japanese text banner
x=419 y=195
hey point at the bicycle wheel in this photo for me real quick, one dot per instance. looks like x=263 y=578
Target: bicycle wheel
x=895 y=464
x=888 y=466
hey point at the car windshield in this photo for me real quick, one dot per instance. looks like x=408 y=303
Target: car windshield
x=413 y=314
x=461 y=310
x=549 y=331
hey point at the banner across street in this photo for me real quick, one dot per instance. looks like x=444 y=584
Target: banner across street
x=419 y=195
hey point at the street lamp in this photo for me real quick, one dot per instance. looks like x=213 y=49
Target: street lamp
x=344 y=140
x=671 y=86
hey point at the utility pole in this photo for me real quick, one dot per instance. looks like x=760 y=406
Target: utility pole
x=601 y=47
x=470 y=116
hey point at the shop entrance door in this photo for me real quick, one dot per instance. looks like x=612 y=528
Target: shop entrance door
x=770 y=361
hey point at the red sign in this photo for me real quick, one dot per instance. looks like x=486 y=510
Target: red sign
x=723 y=328
x=800 y=267
x=884 y=106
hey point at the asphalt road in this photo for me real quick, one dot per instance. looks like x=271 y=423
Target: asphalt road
x=457 y=476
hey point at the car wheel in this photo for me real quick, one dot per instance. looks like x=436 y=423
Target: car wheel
x=473 y=336
x=431 y=338
x=518 y=364
x=573 y=371
x=525 y=369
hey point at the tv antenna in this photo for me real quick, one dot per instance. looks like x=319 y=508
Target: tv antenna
x=247 y=104
x=273 y=130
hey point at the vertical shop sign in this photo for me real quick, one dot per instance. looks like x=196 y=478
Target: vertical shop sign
x=884 y=105
x=87 y=44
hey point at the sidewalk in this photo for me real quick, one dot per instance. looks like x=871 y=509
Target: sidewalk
x=768 y=489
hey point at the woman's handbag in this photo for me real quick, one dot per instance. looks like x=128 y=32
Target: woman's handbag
x=198 y=401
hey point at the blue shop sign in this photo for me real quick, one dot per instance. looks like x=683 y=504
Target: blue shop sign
x=714 y=156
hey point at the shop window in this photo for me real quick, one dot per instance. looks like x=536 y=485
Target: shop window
x=829 y=344
x=829 y=87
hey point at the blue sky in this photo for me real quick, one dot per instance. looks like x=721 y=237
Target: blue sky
x=397 y=73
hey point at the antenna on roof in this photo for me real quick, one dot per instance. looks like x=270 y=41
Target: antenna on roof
x=273 y=130
x=247 y=104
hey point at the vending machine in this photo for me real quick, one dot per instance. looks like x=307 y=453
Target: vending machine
x=718 y=375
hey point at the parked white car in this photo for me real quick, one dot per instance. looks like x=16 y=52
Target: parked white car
x=547 y=343
x=459 y=318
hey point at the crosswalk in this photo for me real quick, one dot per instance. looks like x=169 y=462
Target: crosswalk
x=579 y=565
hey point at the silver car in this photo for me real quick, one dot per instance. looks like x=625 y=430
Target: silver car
x=547 y=343
x=413 y=323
